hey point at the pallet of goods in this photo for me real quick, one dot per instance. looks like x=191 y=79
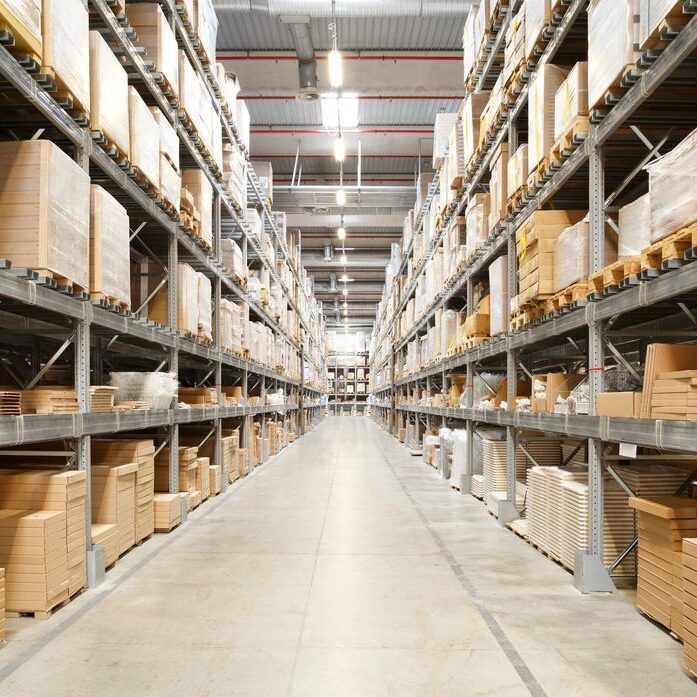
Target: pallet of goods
x=114 y=500
x=168 y=511
x=170 y=176
x=106 y=535
x=571 y=126
x=22 y=23
x=689 y=607
x=145 y=143
x=517 y=179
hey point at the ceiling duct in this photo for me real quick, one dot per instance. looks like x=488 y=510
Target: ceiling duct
x=299 y=28
x=350 y=8
x=332 y=282
x=328 y=252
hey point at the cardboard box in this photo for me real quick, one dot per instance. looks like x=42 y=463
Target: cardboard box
x=545 y=82
x=624 y=404
x=145 y=139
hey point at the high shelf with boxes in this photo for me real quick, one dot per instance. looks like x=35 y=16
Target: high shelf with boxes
x=348 y=377
x=570 y=311
x=119 y=120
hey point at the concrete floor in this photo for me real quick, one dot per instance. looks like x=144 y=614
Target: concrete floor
x=344 y=567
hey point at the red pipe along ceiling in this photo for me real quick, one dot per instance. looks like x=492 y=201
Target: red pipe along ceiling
x=456 y=56
x=361 y=97
x=271 y=130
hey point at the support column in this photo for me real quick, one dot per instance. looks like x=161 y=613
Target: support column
x=590 y=574
x=466 y=476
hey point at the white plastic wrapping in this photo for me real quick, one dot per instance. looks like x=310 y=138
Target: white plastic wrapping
x=110 y=257
x=145 y=138
x=170 y=182
x=26 y=16
x=232 y=258
x=264 y=172
x=44 y=209
x=469 y=47
x=611 y=47
x=537 y=16
x=156 y=389
x=457 y=468
x=672 y=187
x=205 y=113
x=442 y=127
x=514 y=48
x=197 y=183
x=169 y=140
x=518 y=169
x=189 y=89
x=474 y=104
x=242 y=122
x=231 y=88
x=498 y=296
x=477 y=222
x=156 y=36
x=545 y=82
x=187 y=301
x=254 y=221
x=66 y=46
x=634 y=227
x=651 y=15
x=108 y=94
x=206 y=27
x=571 y=99
x=204 y=294
x=235 y=173
x=498 y=186
x=216 y=138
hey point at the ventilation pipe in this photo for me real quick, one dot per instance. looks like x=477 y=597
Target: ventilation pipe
x=332 y=282
x=349 y=8
x=328 y=252
x=299 y=28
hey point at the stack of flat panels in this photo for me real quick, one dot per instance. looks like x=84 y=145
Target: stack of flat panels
x=574 y=521
x=102 y=398
x=618 y=528
x=113 y=500
x=689 y=607
x=187 y=469
x=49 y=400
x=663 y=522
x=168 y=512
x=142 y=453
x=199 y=396
x=216 y=479
x=242 y=462
x=651 y=479
x=536 y=507
x=10 y=402
x=204 y=474
x=52 y=490
x=34 y=555
x=477 y=485
x=674 y=396
x=2 y=604
x=107 y=535
x=554 y=505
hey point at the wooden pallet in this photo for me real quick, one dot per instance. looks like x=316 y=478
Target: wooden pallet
x=472 y=342
x=666 y=254
x=614 y=93
x=111 y=303
x=540 y=174
x=16 y=37
x=615 y=277
x=571 y=139
x=525 y=316
x=570 y=298
x=676 y=18
x=516 y=84
x=53 y=84
x=61 y=600
x=151 y=188
x=111 y=149
x=516 y=199
x=54 y=280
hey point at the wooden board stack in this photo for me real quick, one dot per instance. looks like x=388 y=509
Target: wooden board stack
x=49 y=400
x=2 y=604
x=10 y=402
x=107 y=535
x=142 y=453
x=34 y=555
x=663 y=522
x=203 y=475
x=187 y=469
x=199 y=396
x=216 y=476
x=113 y=500
x=574 y=521
x=55 y=491
x=168 y=512
x=674 y=396
x=689 y=620
x=102 y=398
x=662 y=359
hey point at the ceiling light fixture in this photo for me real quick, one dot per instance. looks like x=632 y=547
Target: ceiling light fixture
x=336 y=68
x=345 y=292
x=340 y=196
x=343 y=260
x=344 y=278
x=339 y=149
x=341 y=233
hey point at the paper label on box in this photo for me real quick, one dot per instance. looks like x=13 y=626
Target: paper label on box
x=628 y=450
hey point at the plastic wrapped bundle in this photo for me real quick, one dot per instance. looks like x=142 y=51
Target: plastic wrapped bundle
x=254 y=221
x=264 y=172
x=442 y=127
x=196 y=182
x=242 y=122
x=537 y=16
x=24 y=18
x=206 y=28
x=518 y=169
x=543 y=87
x=170 y=183
x=66 y=47
x=611 y=47
x=145 y=139
x=634 y=227
x=471 y=118
x=110 y=274
x=672 y=187
x=169 y=140
x=233 y=259
x=156 y=389
x=108 y=94
x=571 y=100
x=498 y=187
x=187 y=298
x=45 y=206
x=514 y=48
x=651 y=16
x=571 y=254
x=230 y=87
x=477 y=222
x=204 y=126
x=234 y=173
x=158 y=40
x=499 y=303
x=469 y=47
x=204 y=324
x=216 y=138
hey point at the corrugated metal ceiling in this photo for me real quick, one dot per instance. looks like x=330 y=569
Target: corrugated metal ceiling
x=328 y=166
x=257 y=32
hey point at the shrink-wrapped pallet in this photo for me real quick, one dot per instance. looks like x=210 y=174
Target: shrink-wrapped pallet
x=170 y=182
x=187 y=299
x=216 y=138
x=206 y=28
x=442 y=126
x=653 y=13
x=490 y=114
x=571 y=100
x=66 y=47
x=194 y=100
x=242 y=122
x=233 y=259
x=23 y=19
x=44 y=210
x=611 y=46
x=498 y=186
x=471 y=121
x=542 y=91
x=108 y=94
x=477 y=222
x=498 y=296
x=204 y=294
x=634 y=227
x=514 y=48
x=423 y=181
x=482 y=17
x=169 y=140
x=571 y=254
x=156 y=36
x=230 y=88
x=235 y=173
x=518 y=169
x=264 y=172
x=537 y=16
x=145 y=139
x=110 y=273
x=672 y=187
x=196 y=182
x=469 y=48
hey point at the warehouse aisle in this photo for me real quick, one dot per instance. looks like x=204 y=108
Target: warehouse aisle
x=341 y=568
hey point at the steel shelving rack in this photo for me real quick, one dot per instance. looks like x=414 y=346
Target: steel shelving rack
x=36 y=316
x=616 y=328
x=344 y=369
